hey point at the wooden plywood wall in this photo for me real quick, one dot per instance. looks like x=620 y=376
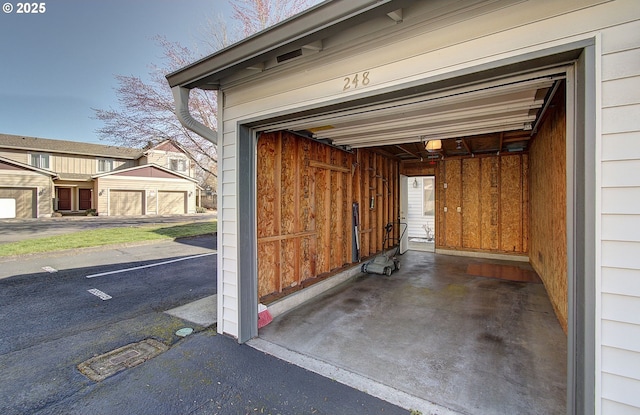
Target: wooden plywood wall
x=548 y=250
x=376 y=187
x=418 y=168
x=305 y=193
x=483 y=204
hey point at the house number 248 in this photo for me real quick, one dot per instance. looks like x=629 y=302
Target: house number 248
x=356 y=80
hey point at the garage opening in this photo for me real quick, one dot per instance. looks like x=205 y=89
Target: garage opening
x=497 y=284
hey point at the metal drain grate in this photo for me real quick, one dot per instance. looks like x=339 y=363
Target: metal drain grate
x=101 y=367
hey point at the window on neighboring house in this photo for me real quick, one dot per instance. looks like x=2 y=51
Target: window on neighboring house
x=178 y=165
x=40 y=160
x=105 y=165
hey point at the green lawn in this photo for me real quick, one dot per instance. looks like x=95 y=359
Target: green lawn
x=110 y=236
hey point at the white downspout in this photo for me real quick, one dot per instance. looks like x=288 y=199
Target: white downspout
x=181 y=99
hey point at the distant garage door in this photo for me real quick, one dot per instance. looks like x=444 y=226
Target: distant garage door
x=17 y=203
x=172 y=203
x=125 y=203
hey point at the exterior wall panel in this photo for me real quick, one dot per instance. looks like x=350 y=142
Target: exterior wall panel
x=19 y=156
x=621 y=389
x=71 y=163
x=617 y=408
x=622 y=362
x=621 y=216
x=228 y=232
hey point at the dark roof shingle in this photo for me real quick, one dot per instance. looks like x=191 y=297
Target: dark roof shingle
x=71 y=147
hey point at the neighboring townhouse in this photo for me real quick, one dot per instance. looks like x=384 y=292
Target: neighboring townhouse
x=41 y=176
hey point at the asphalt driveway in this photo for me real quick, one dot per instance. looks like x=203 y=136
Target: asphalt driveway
x=54 y=322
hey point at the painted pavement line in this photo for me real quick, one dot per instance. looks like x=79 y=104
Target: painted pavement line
x=100 y=294
x=150 y=265
x=49 y=269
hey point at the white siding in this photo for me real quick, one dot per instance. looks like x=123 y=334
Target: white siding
x=611 y=407
x=621 y=389
x=400 y=54
x=228 y=233
x=620 y=278
x=415 y=215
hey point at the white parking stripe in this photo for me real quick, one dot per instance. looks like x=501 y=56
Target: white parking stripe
x=49 y=269
x=149 y=265
x=101 y=295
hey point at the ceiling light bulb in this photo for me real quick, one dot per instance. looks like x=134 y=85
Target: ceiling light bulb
x=433 y=145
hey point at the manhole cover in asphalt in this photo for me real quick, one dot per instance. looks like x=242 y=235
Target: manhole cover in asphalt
x=101 y=367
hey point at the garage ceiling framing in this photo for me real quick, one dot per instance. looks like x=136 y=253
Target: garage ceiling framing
x=489 y=117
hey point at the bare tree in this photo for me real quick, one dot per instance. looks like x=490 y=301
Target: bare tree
x=256 y=15
x=146 y=114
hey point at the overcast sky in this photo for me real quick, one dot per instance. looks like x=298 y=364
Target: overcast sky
x=57 y=65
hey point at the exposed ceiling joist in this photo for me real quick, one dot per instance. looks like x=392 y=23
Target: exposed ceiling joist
x=471 y=120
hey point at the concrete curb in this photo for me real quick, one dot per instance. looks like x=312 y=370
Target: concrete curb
x=354 y=380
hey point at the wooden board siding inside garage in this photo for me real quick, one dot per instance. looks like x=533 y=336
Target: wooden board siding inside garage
x=481 y=204
x=548 y=222
x=305 y=195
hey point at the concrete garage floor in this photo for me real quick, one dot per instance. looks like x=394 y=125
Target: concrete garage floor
x=474 y=345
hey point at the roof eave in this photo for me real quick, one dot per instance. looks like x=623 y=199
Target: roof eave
x=315 y=24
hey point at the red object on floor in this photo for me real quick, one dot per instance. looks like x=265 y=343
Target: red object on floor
x=264 y=317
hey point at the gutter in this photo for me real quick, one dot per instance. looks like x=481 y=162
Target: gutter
x=181 y=99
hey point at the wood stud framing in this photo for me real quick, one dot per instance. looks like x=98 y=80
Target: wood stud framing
x=305 y=194
x=306 y=190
